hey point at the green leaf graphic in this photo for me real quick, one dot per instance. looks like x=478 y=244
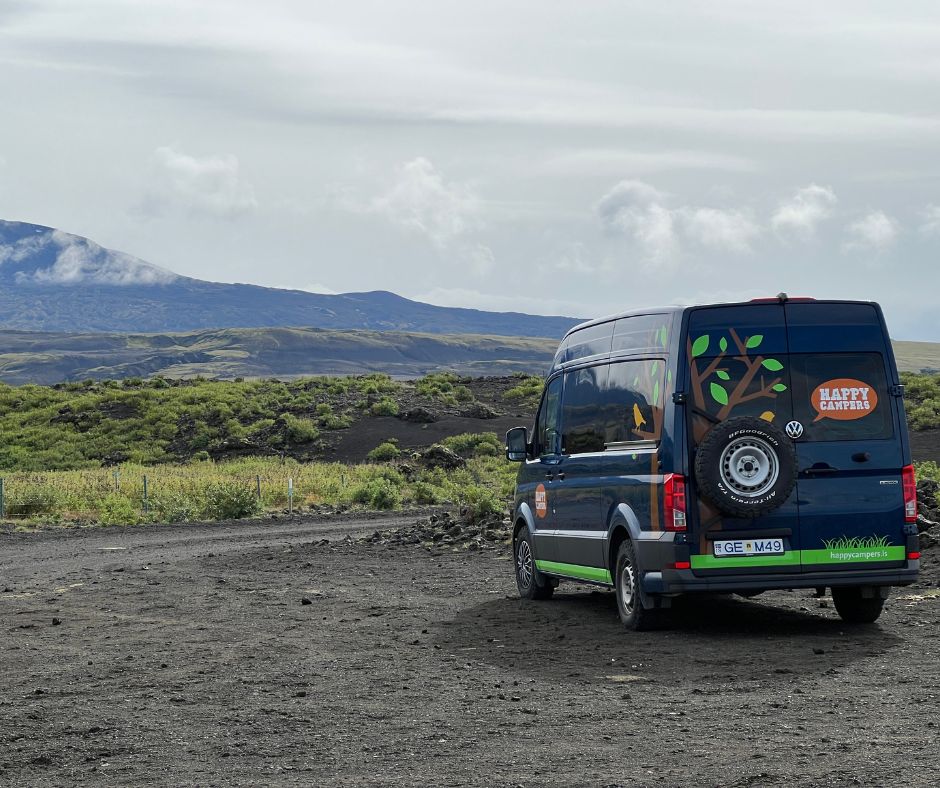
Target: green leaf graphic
x=723 y=344
x=780 y=387
x=663 y=336
x=656 y=393
x=772 y=364
x=723 y=375
x=669 y=375
x=754 y=341
x=718 y=394
x=700 y=345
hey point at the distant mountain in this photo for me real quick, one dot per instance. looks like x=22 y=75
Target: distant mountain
x=44 y=357
x=54 y=281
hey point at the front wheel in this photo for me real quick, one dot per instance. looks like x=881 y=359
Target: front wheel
x=855 y=608
x=629 y=605
x=531 y=583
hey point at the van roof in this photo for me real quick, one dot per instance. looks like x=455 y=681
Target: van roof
x=672 y=309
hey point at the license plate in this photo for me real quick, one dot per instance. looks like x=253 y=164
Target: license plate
x=731 y=547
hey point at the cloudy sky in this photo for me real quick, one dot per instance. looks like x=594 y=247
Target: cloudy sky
x=554 y=157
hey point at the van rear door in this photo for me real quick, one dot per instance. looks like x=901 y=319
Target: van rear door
x=850 y=450
x=738 y=365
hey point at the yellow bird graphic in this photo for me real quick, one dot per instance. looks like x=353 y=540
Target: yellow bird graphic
x=638 y=419
x=767 y=415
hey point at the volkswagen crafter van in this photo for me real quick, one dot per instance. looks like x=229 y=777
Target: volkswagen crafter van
x=723 y=448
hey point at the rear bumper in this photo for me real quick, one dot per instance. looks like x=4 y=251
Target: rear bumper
x=659 y=550
x=681 y=581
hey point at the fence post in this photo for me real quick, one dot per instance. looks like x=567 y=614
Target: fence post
x=117 y=485
x=146 y=502
x=258 y=486
x=3 y=504
x=290 y=495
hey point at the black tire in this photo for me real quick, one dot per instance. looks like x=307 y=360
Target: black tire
x=531 y=583
x=855 y=608
x=627 y=587
x=745 y=467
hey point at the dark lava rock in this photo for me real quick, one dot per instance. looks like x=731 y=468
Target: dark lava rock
x=441 y=457
x=420 y=415
x=448 y=529
x=478 y=410
x=923 y=524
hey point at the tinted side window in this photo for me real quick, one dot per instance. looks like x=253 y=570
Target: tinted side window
x=582 y=414
x=642 y=333
x=841 y=396
x=546 y=435
x=633 y=401
x=590 y=341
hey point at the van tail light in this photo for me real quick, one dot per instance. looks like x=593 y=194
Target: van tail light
x=674 y=502
x=914 y=555
x=909 y=484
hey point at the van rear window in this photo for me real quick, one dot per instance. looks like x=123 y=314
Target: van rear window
x=841 y=396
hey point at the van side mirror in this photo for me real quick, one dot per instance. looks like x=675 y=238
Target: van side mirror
x=517 y=444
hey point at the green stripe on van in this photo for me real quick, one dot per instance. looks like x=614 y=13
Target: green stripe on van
x=575 y=570
x=807 y=557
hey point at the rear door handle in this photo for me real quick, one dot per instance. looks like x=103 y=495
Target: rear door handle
x=550 y=476
x=819 y=468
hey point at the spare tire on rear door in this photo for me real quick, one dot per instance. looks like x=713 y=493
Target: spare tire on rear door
x=745 y=466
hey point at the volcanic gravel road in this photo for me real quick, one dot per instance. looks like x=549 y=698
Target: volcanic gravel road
x=260 y=654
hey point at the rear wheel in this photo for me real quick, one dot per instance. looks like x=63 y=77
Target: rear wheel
x=629 y=605
x=531 y=583
x=855 y=608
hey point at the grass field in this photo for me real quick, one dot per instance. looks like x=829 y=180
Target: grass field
x=249 y=487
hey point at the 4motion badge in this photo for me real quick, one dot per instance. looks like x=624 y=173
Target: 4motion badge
x=794 y=429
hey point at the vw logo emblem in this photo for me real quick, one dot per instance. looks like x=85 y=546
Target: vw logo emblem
x=794 y=429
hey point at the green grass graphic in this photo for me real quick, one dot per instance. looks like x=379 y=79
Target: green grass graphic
x=856 y=543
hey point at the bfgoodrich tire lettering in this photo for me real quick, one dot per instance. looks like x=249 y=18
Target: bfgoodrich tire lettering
x=531 y=583
x=746 y=467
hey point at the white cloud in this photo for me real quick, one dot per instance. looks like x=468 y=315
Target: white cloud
x=638 y=210
x=801 y=214
x=715 y=228
x=24 y=248
x=210 y=185
x=641 y=212
x=421 y=201
x=875 y=231
x=79 y=260
x=931 y=223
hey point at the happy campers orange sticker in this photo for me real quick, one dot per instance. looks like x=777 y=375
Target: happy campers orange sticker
x=844 y=399
x=541 y=501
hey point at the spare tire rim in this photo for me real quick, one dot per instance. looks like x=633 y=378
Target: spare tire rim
x=749 y=467
x=524 y=563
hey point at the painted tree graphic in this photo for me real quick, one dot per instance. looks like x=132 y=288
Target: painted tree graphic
x=719 y=379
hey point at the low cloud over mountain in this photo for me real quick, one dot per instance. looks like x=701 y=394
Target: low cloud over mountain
x=53 y=281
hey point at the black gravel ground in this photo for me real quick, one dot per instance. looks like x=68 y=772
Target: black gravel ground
x=265 y=655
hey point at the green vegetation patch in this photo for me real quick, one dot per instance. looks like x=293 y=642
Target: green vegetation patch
x=922 y=400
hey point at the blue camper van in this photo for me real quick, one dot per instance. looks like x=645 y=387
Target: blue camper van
x=721 y=448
